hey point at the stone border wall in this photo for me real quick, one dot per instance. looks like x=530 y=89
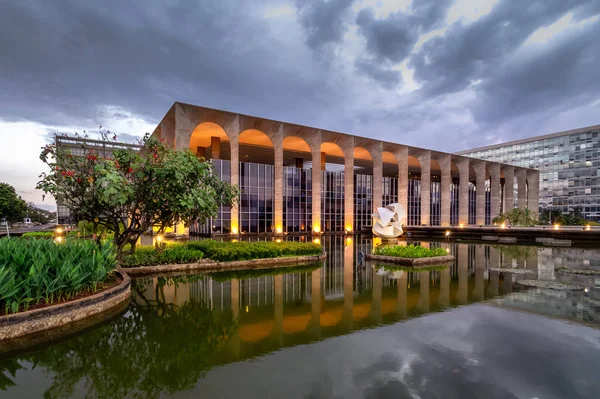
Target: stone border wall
x=50 y=317
x=212 y=266
x=414 y=262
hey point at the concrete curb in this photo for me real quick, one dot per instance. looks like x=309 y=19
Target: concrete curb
x=414 y=262
x=43 y=319
x=212 y=266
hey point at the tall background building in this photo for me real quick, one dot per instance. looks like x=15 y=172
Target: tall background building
x=569 y=165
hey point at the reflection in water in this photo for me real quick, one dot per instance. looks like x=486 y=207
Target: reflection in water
x=177 y=329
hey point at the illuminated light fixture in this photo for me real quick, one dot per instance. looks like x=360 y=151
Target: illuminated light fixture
x=317 y=229
x=234 y=230
x=279 y=230
x=348 y=241
x=317 y=241
x=448 y=250
x=503 y=226
x=58 y=230
x=588 y=227
x=447 y=233
x=159 y=238
x=278 y=240
x=586 y=290
x=247 y=308
x=462 y=225
x=234 y=240
x=59 y=240
x=556 y=226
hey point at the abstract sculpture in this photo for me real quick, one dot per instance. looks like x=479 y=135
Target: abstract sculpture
x=387 y=221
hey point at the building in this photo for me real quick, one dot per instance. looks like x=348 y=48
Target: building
x=569 y=166
x=297 y=179
x=77 y=146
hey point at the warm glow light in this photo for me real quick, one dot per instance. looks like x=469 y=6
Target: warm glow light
x=348 y=241
x=588 y=227
x=503 y=226
x=234 y=230
x=317 y=241
x=159 y=238
x=279 y=230
x=247 y=309
x=448 y=250
x=447 y=233
x=462 y=225
x=58 y=230
x=556 y=227
x=316 y=229
x=278 y=240
x=59 y=240
x=348 y=228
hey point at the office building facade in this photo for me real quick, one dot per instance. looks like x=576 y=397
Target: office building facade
x=299 y=179
x=568 y=164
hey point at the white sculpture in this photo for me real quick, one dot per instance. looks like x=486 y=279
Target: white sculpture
x=387 y=221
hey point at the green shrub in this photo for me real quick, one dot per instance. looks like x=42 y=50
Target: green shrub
x=38 y=234
x=410 y=251
x=173 y=253
x=42 y=271
x=232 y=251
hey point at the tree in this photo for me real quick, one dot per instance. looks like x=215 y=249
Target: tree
x=128 y=192
x=12 y=207
x=517 y=217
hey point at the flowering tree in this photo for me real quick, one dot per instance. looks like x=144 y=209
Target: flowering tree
x=130 y=191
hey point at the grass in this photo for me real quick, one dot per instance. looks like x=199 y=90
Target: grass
x=173 y=253
x=193 y=251
x=252 y=273
x=232 y=251
x=34 y=272
x=410 y=251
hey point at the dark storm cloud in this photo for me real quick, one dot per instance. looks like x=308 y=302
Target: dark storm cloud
x=378 y=71
x=324 y=21
x=452 y=62
x=64 y=59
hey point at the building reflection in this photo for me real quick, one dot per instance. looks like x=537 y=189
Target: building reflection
x=348 y=293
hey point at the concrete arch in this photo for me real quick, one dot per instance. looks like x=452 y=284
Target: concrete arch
x=361 y=153
x=206 y=139
x=295 y=143
x=255 y=137
x=390 y=164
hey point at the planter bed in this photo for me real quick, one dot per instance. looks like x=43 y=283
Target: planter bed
x=413 y=262
x=207 y=265
x=48 y=317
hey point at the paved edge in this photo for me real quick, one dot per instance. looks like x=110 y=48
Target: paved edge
x=414 y=262
x=212 y=266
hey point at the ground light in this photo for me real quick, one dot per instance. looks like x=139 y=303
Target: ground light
x=588 y=227
x=503 y=226
x=462 y=225
x=447 y=233
x=556 y=227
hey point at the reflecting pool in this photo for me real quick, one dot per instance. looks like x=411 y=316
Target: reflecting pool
x=346 y=328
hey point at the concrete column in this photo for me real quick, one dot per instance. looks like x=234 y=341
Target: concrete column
x=533 y=191
x=402 y=156
x=446 y=166
x=495 y=190
x=278 y=200
x=444 y=298
x=402 y=303
x=463 y=192
x=234 y=142
x=424 y=292
x=316 y=182
x=532 y=260
x=462 y=294
x=509 y=184
x=522 y=184
x=349 y=183
x=376 y=299
x=316 y=303
x=377 y=154
x=323 y=160
x=480 y=198
x=494 y=283
x=425 y=160
x=215 y=147
x=278 y=330
x=348 y=317
x=478 y=289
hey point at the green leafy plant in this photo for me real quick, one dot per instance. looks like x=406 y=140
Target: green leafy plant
x=232 y=251
x=44 y=272
x=517 y=217
x=410 y=251
x=12 y=207
x=173 y=253
x=129 y=192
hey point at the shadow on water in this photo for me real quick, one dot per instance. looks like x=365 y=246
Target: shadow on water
x=177 y=329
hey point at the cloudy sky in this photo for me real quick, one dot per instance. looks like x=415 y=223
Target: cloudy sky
x=441 y=74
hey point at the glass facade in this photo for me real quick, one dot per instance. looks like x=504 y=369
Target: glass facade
x=363 y=202
x=436 y=202
x=257 y=184
x=414 y=202
x=222 y=223
x=332 y=201
x=569 y=168
x=297 y=199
